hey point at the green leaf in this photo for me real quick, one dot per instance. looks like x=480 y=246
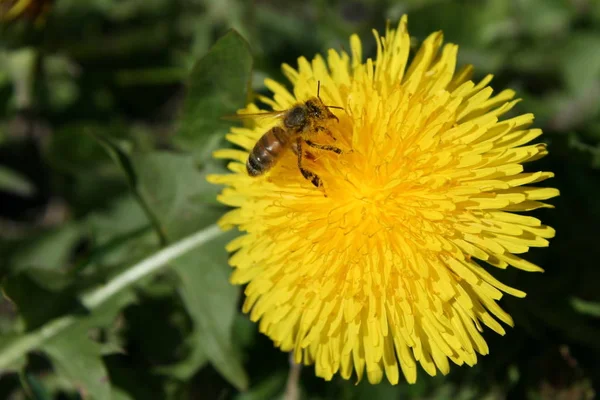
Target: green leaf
x=590 y=308
x=121 y=234
x=13 y=182
x=218 y=86
x=186 y=368
x=122 y=159
x=120 y=394
x=33 y=386
x=50 y=250
x=212 y=303
x=78 y=359
x=19 y=64
x=50 y=279
x=70 y=151
x=73 y=354
x=544 y=18
x=119 y=153
x=271 y=388
x=105 y=313
x=88 y=178
x=29 y=297
x=102 y=296
x=244 y=331
x=580 y=60
x=6 y=342
x=62 y=88
x=174 y=190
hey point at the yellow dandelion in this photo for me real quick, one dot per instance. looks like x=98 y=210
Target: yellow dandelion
x=381 y=267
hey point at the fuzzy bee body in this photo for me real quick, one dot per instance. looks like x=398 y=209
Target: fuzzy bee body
x=267 y=151
x=297 y=125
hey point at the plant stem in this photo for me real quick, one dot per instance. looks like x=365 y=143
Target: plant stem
x=292 y=387
x=148 y=266
x=162 y=237
x=12 y=351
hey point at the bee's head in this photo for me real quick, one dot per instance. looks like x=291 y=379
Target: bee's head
x=317 y=110
x=313 y=109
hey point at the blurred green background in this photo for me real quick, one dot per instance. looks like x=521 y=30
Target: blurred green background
x=106 y=131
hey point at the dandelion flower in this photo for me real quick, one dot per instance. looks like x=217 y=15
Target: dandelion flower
x=386 y=265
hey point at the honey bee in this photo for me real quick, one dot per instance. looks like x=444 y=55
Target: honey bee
x=297 y=126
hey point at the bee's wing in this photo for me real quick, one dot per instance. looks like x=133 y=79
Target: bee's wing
x=255 y=116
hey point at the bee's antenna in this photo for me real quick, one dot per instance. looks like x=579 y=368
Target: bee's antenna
x=318 y=97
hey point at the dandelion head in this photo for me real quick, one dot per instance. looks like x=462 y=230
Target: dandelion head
x=385 y=264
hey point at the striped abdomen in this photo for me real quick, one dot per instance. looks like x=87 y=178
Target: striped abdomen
x=267 y=151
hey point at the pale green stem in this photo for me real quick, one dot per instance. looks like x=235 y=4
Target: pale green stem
x=32 y=340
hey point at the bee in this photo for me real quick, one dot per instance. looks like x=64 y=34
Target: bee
x=294 y=131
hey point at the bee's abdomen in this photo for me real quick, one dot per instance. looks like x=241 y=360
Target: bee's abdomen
x=266 y=151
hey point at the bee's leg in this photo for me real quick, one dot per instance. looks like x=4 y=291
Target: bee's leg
x=307 y=154
x=327 y=131
x=306 y=173
x=336 y=150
